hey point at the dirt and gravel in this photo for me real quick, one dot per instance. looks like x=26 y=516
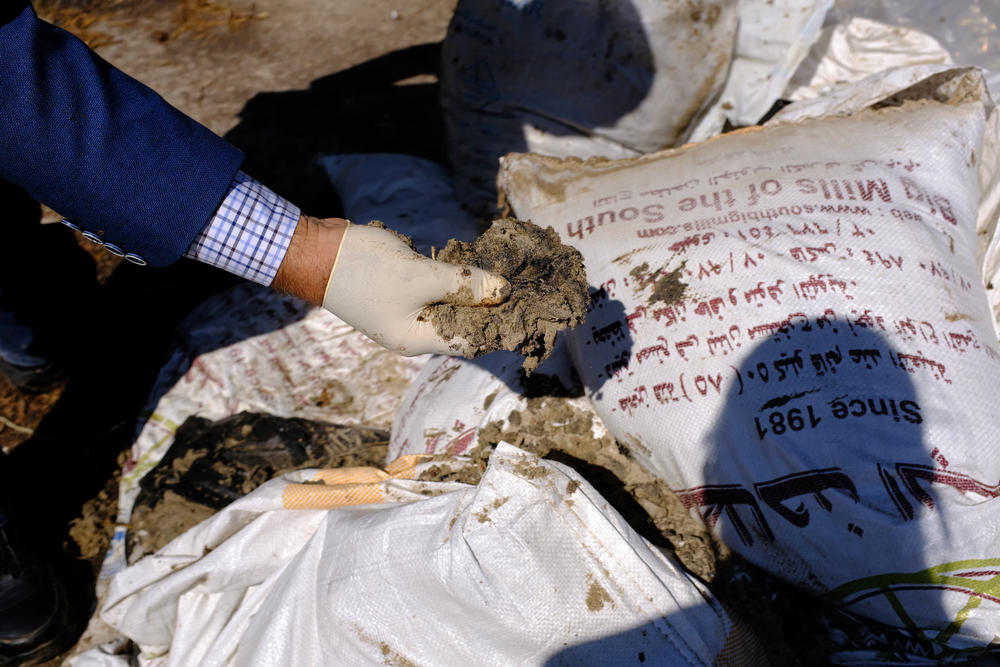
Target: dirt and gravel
x=211 y=464
x=548 y=283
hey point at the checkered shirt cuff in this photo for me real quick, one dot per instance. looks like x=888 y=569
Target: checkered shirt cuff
x=250 y=232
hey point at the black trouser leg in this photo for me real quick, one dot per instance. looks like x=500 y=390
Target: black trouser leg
x=44 y=275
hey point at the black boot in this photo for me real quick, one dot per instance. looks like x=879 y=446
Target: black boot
x=34 y=612
x=35 y=379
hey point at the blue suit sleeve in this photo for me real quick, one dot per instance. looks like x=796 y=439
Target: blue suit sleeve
x=101 y=148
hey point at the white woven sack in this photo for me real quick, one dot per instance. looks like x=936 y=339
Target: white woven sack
x=789 y=327
x=577 y=78
x=452 y=398
x=411 y=195
x=530 y=567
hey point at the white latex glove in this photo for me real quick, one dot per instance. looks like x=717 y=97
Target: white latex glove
x=379 y=286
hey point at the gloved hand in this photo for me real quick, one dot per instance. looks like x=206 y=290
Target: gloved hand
x=380 y=286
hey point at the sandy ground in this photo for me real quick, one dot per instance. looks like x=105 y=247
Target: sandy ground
x=210 y=58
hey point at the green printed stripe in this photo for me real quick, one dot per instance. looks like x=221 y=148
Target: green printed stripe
x=897 y=606
x=144 y=464
x=933 y=575
x=166 y=421
x=960 y=618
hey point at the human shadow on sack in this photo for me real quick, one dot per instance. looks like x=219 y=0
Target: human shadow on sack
x=819 y=459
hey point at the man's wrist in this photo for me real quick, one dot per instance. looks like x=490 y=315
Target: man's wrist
x=310 y=258
x=249 y=233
